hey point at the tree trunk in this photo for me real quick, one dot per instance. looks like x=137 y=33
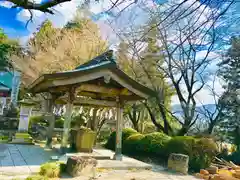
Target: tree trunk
x=167 y=127
x=132 y=115
x=210 y=127
x=134 y=121
x=51 y=121
x=135 y=126
x=183 y=130
x=154 y=121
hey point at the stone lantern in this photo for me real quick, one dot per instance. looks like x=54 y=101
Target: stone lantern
x=26 y=107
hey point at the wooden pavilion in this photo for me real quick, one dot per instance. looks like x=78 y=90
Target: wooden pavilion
x=98 y=82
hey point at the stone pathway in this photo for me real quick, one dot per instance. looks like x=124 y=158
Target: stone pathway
x=135 y=175
x=22 y=159
x=18 y=161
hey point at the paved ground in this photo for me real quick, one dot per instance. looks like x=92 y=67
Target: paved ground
x=106 y=161
x=135 y=175
x=22 y=159
x=18 y=161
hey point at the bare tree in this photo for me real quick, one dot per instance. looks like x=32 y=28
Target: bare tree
x=180 y=9
x=212 y=116
x=184 y=67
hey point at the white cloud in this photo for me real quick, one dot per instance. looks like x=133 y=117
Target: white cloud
x=98 y=7
x=24 y=40
x=6 y=4
x=63 y=13
x=206 y=95
x=37 y=18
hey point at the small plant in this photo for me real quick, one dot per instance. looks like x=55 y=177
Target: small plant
x=59 y=123
x=50 y=170
x=37 y=177
x=112 y=138
x=34 y=120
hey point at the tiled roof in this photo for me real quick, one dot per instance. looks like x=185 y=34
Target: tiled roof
x=103 y=59
x=6 y=79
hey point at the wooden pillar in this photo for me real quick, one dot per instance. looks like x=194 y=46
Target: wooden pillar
x=118 y=149
x=67 y=122
x=94 y=120
x=50 y=118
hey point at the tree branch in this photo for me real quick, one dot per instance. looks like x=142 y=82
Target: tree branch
x=44 y=7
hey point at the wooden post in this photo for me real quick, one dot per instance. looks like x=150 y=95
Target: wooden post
x=94 y=120
x=67 y=122
x=50 y=118
x=118 y=150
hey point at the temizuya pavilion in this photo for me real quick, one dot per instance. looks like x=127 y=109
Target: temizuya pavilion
x=98 y=82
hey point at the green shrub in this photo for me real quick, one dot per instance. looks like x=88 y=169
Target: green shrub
x=200 y=151
x=59 y=123
x=132 y=144
x=154 y=143
x=63 y=167
x=37 y=177
x=33 y=120
x=180 y=144
x=51 y=170
x=4 y=138
x=103 y=135
x=112 y=138
x=149 y=128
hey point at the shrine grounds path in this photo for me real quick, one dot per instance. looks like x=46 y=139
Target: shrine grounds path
x=19 y=161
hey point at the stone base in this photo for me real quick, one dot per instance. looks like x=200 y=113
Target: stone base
x=63 y=150
x=178 y=163
x=118 y=157
x=77 y=166
x=22 y=138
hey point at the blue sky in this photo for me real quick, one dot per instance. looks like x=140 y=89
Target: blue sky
x=10 y=24
x=14 y=20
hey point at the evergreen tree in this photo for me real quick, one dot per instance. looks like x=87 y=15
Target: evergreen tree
x=230 y=100
x=7 y=47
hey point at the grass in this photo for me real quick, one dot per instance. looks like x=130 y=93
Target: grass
x=37 y=177
x=50 y=170
x=3 y=139
x=25 y=136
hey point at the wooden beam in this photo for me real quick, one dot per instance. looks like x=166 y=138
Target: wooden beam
x=128 y=86
x=59 y=89
x=42 y=87
x=87 y=94
x=129 y=89
x=36 y=82
x=104 y=90
x=92 y=102
x=95 y=102
x=79 y=79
